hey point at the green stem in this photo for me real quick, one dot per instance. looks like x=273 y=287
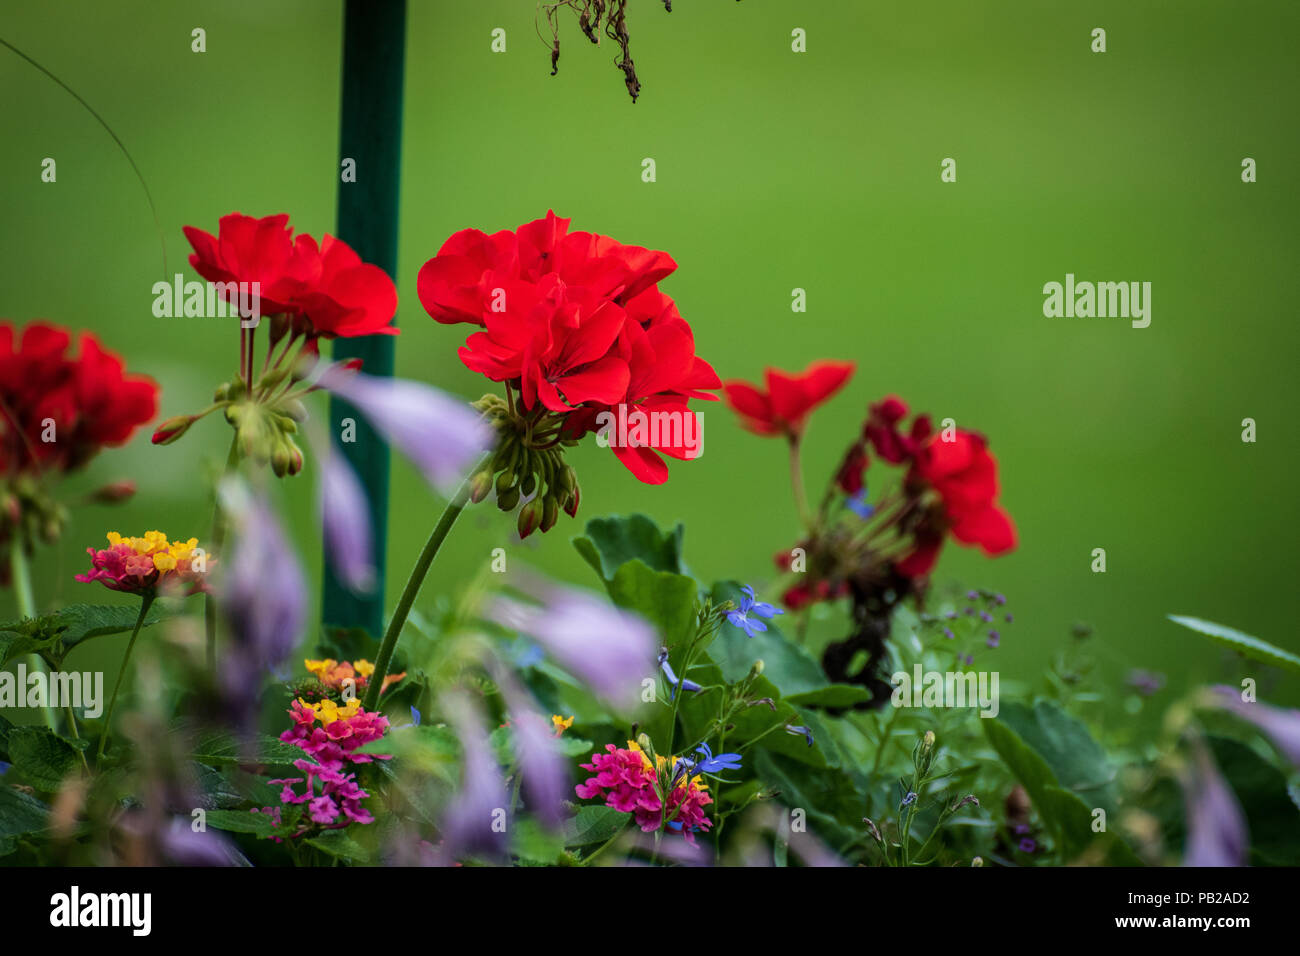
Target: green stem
x=26 y=598
x=72 y=726
x=413 y=583
x=796 y=484
x=217 y=541
x=145 y=603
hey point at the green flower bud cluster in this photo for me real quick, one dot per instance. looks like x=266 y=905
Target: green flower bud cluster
x=264 y=429
x=28 y=511
x=528 y=466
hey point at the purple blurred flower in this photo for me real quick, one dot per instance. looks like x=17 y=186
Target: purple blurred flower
x=441 y=435
x=544 y=770
x=345 y=520
x=1281 y=726
x=470 y=824
x=1145 y=682
x=263 y=591
x=1216 y=827
x=608 y=649
x=181 y=846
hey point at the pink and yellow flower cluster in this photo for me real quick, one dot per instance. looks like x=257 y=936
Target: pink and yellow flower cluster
x=330 y=734
x=629 y=782
x=334 y=674
x=148 y=564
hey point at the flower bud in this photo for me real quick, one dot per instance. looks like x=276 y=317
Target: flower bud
x=529 y=516
x=550 y=513
x=480 y=485
x=507 y=500
x=114 y=493
x=172 y=429
x=571 y=505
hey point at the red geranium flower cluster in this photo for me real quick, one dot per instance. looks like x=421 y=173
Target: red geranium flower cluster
x=575 y=324
x=325 y=290
x=57 y=411
x=950 y=487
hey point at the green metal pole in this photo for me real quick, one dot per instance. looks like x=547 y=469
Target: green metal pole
x=374 y=47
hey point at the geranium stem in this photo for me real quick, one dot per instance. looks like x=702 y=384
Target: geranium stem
x=796 y=484
x=22 y=577
x=413 y=583
x=145 y=603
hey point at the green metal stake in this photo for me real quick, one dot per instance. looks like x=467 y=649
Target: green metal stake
x=374 y=47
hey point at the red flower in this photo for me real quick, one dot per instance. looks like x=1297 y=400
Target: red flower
x=350 y=298
x=258 y=250
x=964 y=473
x=57 y=411
x=575 y=322
x=783 y=408
x=327 y=287
x=881 y=429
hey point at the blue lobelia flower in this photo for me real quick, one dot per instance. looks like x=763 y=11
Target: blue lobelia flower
x=712 y=764
x=750 y=605
x=687 y=685
x=799 y=730
x=858 y=505
x=415 y=716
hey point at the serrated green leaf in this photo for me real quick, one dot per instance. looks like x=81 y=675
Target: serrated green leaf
x=42 y=757
x=21 y=813
x=594 y=825
x=338 y=844
x=241 y=821
x=1245 y=644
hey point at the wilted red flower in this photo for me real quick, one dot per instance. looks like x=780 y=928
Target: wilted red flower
x=56 y=411
x=783 y=408
x=573 y=322
x=881 y=429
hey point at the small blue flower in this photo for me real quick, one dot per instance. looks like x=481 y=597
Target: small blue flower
x=908 y=800
x=687 y=685
x=750 y=605
x=858 y=505
x=712 y=764
x=947 y=632
x=415 y=716
x=4 y=767
x=799 y=730
x=994 y=638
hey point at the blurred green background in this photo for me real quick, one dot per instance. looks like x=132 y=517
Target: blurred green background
x=775 y=170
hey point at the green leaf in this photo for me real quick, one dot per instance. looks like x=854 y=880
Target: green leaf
x=5 y=728
x=533 y=843
x=338 y=844
x=832 y=696
x=594 y=825
x=241 y=821
x=56 y=634
x=1065 y=814
x=1271 y=817
x=665 y=599
x=1077 y=761
x=611 y=542
x=791 y=668
x=222 y=748
x=20 y=814
x=42 y=757
x=1252 y=647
